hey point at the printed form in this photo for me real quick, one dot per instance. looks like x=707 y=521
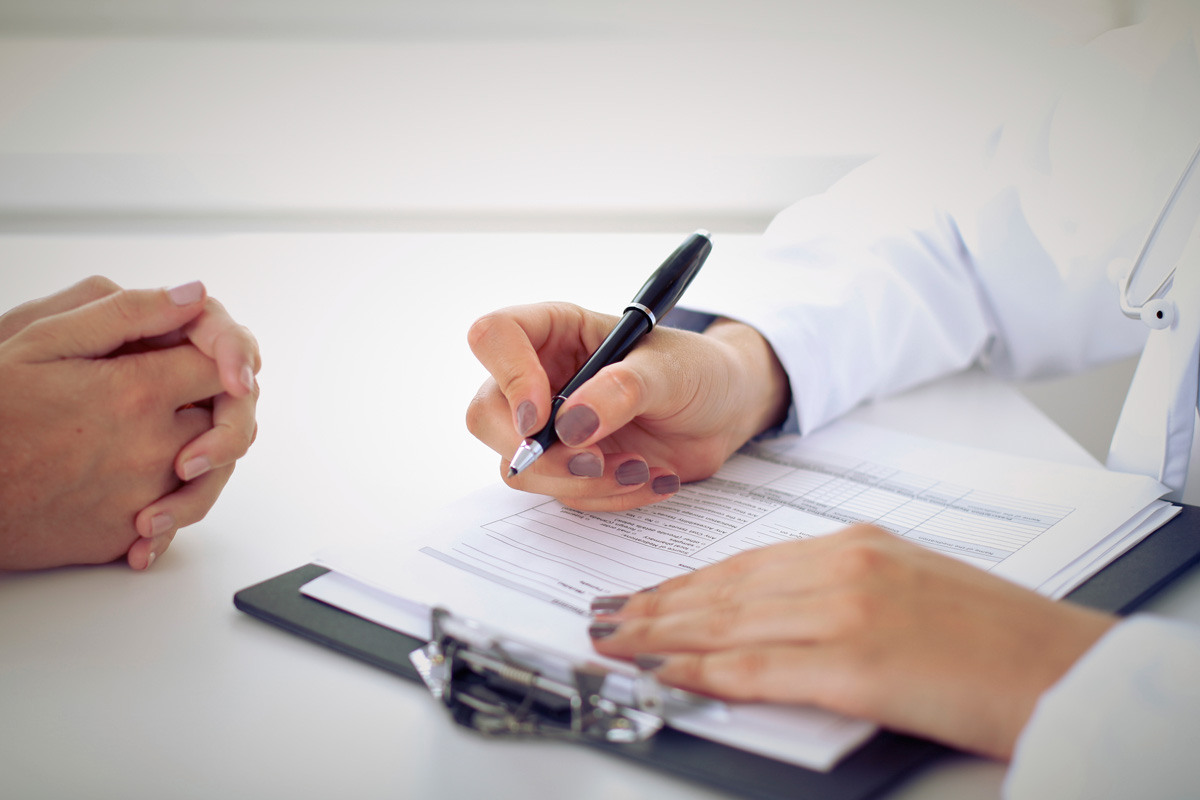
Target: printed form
x=758 y=498
x=1044 y=525
x=770 y=493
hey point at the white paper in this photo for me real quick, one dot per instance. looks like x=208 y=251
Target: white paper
x=529 y=566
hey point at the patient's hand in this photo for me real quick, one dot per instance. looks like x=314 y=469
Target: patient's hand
x=107 y=406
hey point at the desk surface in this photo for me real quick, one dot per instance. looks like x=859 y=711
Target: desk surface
x=127 y=685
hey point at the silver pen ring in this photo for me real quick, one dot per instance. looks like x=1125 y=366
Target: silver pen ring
x=644 y=310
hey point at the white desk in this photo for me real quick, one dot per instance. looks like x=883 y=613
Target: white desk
x=128 y=685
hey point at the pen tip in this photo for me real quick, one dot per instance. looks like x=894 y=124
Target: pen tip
x=527 y=453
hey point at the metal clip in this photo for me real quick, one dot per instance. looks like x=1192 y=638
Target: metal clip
x=503 y=687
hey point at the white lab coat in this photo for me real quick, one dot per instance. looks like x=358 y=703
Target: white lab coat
x=1007 y=255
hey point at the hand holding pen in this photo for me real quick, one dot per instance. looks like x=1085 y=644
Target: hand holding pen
x=653 y=302
x=670 y=411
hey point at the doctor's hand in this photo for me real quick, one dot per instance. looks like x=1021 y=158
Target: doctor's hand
x=109 y=402
x=863 y=623
x=673 y=410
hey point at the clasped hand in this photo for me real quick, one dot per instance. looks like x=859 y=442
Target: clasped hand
x=123 y=413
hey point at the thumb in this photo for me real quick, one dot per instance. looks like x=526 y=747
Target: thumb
x=643 y=383
x=104 y=325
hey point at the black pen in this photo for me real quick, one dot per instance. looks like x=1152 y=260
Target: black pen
x=656 y=297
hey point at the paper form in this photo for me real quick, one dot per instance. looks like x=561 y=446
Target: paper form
x=528 y=565
x=770 y=494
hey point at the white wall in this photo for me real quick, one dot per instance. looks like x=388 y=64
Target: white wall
x=610 y=115
x=529 y=114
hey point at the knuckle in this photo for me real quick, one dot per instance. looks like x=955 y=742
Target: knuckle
x=510 y=378
x=98 y=286
x=252 y=343
x=201 y=512
x=725 y=592
x=687 y=670
x=722 y=622
x=741 y=673
x=476 y=413
x=40 y=334
x=483 y=329
x=506 y=372
x=240 y=338
x=214 y=306
x=650 y=604
x=487 y=417
x=750 y=664
x=138 y=399
x=624 y=384
x=857 y=611
x=124 y=306
x=862 y=560
x=12 y=322
x=862 y=532
x=238 y=438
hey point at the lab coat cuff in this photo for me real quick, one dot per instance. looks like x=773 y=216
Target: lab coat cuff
x=1120 y=723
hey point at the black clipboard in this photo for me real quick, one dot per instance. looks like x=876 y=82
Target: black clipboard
x=887 y=758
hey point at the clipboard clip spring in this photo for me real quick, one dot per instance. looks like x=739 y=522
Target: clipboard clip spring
x=489 y=684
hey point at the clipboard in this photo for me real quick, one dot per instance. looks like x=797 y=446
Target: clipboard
x=1121 y=587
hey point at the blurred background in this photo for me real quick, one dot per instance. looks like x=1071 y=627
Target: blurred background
x=159 y=116
x=488 y=114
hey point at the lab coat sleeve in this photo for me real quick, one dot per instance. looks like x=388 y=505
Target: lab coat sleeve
x=856 y=302
x=1122 y=723
x=1004 y=252
x=877 y=286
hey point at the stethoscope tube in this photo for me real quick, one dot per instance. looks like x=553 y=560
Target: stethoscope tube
x=1157 y=311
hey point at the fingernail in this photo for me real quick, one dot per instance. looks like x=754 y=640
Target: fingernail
x=585 y=465
x=632 y=473
x=196 y=467
x=526 y=418
x=609 y=604
x=186 y=294
x=599 y=630
x=649 y=662
x=575 y=425
x=665 y=484
x=150 y=559
x=248 y=377
x=161 y=523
